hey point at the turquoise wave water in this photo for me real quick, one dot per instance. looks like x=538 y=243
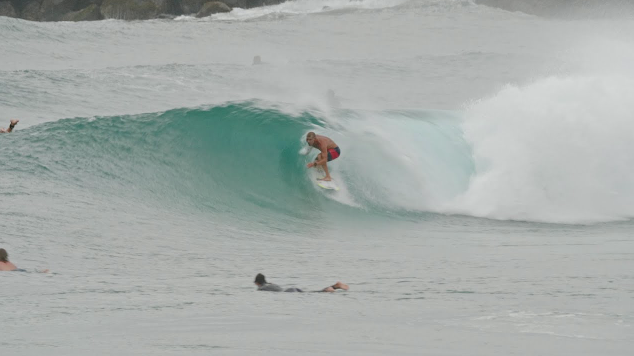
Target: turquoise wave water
x=239 y=157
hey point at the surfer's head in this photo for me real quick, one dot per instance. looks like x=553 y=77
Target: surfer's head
x=259 y=279
x=4 y=256
x=310 y=138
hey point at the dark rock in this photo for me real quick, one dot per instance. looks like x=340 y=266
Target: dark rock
x=138 y=9
x=91 y=13
x=18 y=5
x=54 y=10
x=172 y=7
x=31 y=10
x=86 y=10
x=6 y=9
x=236 y=3
x=82 y=4
x=128 y=9
x=192 y=6
x=213 y=7
x=255 y=3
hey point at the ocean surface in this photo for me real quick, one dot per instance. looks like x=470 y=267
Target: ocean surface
x=486 y=203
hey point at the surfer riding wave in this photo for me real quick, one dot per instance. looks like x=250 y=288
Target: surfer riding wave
x=329 y=151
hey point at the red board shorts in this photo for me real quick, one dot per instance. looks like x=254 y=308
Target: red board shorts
x=333 y=153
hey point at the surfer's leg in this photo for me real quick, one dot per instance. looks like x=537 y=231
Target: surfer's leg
x=333 y=153
x=325 y=168
x=336 y=286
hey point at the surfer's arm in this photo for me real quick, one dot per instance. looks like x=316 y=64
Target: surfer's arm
x=324 y=157
x=322 y=160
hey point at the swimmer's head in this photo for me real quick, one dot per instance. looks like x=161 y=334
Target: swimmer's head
x=4 y=256
x=259 y=279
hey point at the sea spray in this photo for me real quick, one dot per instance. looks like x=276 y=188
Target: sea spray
x=556 y=150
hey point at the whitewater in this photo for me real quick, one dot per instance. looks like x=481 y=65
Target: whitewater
x=487 y=197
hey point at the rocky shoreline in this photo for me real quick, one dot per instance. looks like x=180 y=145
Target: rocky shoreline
x=93 y=10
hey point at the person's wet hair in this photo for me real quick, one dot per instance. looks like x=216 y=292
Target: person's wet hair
x=259 y=279
x=4 y=256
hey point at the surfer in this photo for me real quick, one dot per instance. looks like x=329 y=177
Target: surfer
x=329 y=151
x=11 y=126
x=260 y=281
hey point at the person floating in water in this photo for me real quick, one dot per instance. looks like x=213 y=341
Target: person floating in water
x=329 y=151
x=5 y=265
x=11 y=126
x=262 y=284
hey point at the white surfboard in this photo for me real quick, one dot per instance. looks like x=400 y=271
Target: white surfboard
x=328 y=185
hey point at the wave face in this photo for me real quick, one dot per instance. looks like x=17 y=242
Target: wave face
x=240 y=157
x=503 y=158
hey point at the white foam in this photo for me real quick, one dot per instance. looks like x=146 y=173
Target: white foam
x=342 y=195
x=557 y=150
x=303 y=7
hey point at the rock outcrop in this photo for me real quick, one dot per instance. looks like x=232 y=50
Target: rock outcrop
x=7 y=9
x=134 y=9
x=236 y=3
x=213 y=7
x=31 y=10
x=54 y=10
x=90 y=10
x=82 y=4
x=255 y=3
x=90 y=13
x=192 y=6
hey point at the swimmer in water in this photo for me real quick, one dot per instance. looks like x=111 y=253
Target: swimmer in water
x=6 y=265
x=263 y=285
